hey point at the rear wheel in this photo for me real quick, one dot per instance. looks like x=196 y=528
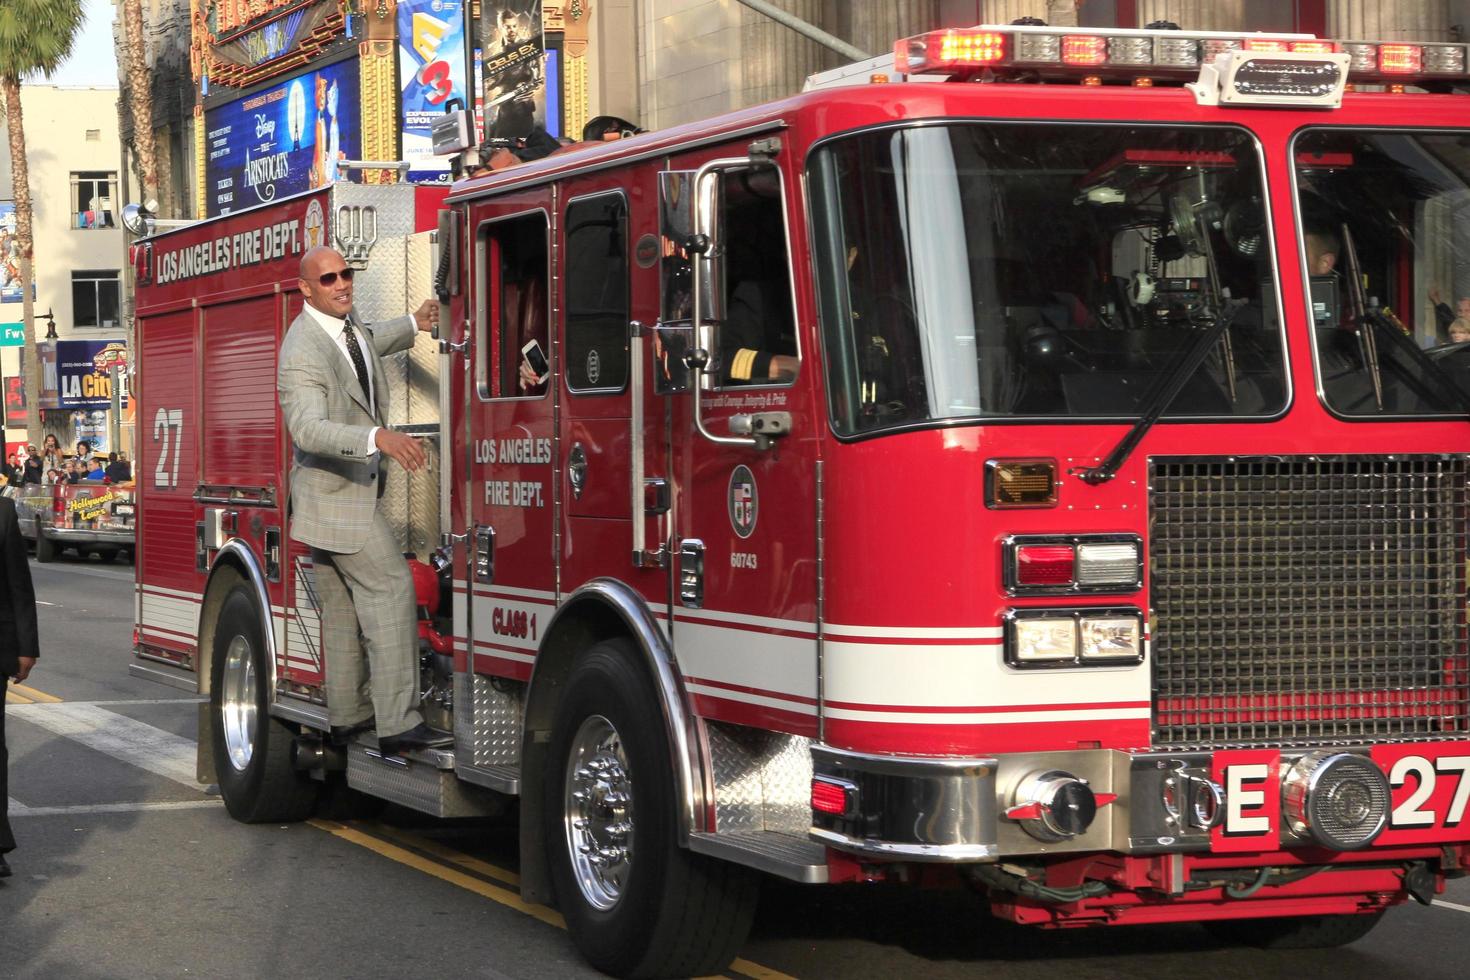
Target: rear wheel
x=45 y=548
x=252 y=750
x=1297 y=932
x=637 y=904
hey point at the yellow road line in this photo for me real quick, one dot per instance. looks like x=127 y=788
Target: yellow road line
x=40 y=697
x=420 y=863
x=13 y=697
x=448 y=854
x=484 y=889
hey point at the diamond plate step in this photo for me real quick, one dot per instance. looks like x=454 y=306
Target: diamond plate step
x=777 y=853
x=424 y=782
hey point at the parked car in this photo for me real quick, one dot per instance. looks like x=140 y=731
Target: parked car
x=88 y=517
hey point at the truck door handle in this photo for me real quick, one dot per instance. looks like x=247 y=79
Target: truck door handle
x=485 y=555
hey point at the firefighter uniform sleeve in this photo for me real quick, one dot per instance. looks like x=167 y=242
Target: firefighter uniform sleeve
x=743 y=335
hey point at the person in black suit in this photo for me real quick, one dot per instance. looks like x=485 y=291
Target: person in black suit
x=19 y=645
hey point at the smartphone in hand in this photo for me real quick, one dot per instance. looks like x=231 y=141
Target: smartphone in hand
x=536 y=360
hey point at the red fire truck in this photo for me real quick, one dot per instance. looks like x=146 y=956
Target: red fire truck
x=1050 y=479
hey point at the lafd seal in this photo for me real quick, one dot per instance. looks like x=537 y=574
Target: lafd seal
x=315 y=225
x=743 y=501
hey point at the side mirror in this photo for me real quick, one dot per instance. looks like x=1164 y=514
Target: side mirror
x=135 y=219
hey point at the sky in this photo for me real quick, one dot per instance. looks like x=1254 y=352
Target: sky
x=93 y=59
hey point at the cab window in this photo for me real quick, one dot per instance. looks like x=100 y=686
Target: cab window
x=597 y=294
x=516 y=361
x=758 y=331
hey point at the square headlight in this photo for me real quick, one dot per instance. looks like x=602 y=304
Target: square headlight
x=1115 y=638
x=1048 y=640
x=1078 y=637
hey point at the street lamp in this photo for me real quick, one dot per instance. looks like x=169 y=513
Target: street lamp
x=50 y=324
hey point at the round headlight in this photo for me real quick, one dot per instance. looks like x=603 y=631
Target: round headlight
x=1339 y=800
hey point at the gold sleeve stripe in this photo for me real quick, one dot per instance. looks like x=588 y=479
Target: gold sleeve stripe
x=741 y=366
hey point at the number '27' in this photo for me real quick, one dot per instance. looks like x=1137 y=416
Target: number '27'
x=168 y=429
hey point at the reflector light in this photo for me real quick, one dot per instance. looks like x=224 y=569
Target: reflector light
x=1217 y=45
x=1314 y=47
x=1265 y=44
x=1444 y=59
x=1039 y=48
x=1400 y=59
x=1108 y=564
x=829 y=796
x=1131 y=50
x=1364 y=56
x=1084 y=49
x=1011 y=483
x=1045 y=564
x=1176 y=52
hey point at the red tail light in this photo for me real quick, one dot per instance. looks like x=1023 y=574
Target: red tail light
x=1084 y=49
x=1313 y=47
x=1400 y=59
x=1045 y=564
x=832 y=796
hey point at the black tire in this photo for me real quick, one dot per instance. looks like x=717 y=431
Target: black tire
x=256 y=779
x=1297 y=932
x=45 y=548
x=677 y=914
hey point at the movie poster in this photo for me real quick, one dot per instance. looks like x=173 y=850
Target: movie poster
x=431 y=64
x=283 y=140
x=514 y=75
x=9 y=255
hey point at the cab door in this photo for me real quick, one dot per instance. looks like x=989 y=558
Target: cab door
x=614 y=473
x=745 y=581
x=511 y=487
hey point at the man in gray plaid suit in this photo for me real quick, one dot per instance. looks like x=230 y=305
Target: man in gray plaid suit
x=330 y=381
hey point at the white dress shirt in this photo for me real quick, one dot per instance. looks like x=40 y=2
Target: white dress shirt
x=334 y=327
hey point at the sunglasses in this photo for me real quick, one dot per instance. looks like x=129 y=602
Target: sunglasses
x=327 y=278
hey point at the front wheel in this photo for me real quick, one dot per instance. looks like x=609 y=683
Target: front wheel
x=252 y=750
x=1297 y=932
x=636 y=903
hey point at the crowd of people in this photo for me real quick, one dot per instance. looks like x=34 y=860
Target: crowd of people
x=49 y=465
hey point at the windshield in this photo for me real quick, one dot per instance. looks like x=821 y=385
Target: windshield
x=998 y=270
x=1389 y=211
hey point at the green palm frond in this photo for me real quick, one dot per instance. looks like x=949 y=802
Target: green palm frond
x=37 y=35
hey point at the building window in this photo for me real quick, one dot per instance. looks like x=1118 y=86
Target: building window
x=94 y=297
x=91 y=199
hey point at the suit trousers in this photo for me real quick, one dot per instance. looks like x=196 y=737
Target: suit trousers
x=370 y=633
x=7 y=839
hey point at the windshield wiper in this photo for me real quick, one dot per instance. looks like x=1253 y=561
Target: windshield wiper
x=1164 y=396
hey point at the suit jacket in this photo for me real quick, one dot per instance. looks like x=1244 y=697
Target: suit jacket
x=18 y=634
x=335 y=481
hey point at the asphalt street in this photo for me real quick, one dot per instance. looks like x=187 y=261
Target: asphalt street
x=127 y=867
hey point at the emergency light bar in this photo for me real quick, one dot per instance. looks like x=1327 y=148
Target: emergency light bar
x=1062 y=53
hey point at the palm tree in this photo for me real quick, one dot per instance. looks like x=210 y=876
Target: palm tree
x=35 y=36
x=140 y=96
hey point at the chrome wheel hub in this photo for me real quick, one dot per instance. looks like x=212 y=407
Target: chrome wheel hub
x=237 y=703
x=598 y=812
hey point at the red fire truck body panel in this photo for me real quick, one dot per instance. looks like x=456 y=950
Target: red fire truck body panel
x=817 y=575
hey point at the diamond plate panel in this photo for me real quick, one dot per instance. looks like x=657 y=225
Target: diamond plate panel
x=762 y=779
x=493 y=721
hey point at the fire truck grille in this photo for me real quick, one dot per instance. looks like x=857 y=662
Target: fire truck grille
x=1303 y=601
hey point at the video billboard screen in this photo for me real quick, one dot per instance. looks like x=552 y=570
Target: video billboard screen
x=283 y=140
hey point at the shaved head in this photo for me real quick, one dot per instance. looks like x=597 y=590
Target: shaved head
x=333 y=297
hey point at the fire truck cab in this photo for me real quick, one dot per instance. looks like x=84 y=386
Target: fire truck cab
x=1051 y=478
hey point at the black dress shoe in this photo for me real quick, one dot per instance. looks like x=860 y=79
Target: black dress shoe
x=342 y=734
x=5 y=871
x=420 y=736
